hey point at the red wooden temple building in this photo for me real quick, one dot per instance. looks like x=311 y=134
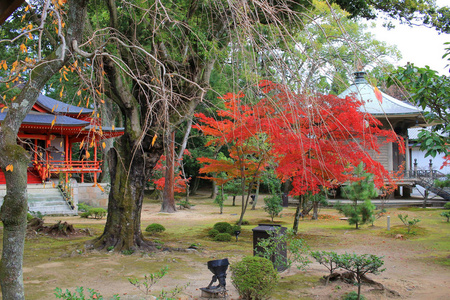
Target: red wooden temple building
x=49 y=133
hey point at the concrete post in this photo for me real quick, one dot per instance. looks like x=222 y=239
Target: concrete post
x=388 y=223
x=415 y=167
x=431 y=168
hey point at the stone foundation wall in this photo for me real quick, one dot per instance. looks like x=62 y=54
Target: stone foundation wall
x=90 y=194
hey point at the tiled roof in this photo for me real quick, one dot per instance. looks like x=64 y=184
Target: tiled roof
x=363 y=91
x=58 y=107
x=37 y=118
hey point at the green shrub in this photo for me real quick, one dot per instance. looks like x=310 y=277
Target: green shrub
x=223 y=227
x=447 y=205
x=278 y=242
x=273 y=206
x=235 y=228
x=360 y=265
x=184 y=204
x=408 y=223
x=213 y=232
x=328 y=259
x=83 y=207
x=254 y=277
x=446 y=214
x=85 y=214
x=79 y=294
x=353 y=296
x=35 y=214
x=96 y=213
x=223 y=237
x=244 y=222
x=29 y=217
x=155 y=227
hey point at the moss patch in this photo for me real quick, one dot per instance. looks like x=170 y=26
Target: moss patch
x=289 y=286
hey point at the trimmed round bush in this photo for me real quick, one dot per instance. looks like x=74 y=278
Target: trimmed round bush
x=223 y=237
x=244 y=222
x=85 y=214
x=97 y=212
x=213 y=232
x=447 y=205
x=154 y=228
x=254 y=277
x=223 y=227
x=235 y=228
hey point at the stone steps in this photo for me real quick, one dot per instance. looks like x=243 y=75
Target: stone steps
x=45 y=199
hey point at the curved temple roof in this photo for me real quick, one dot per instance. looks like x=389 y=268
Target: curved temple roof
x=37 y=118
x=388 y=106
x=57 y=107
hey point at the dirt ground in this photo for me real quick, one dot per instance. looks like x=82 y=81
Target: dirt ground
x=410 y=269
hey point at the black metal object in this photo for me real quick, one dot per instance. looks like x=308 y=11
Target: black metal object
x=237 y=233
x=262 y=232
x=219 y=269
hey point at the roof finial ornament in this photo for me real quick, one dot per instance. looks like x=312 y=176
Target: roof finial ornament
x=359 y=65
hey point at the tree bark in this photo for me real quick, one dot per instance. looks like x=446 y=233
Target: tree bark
x=14 y=216
x=108 y=119
x=123 y=224
x=214 y=188
x=14 y=209
x=154 y=91
x=256 y=196
x=315 y=210
x=168 y=203
x=296 y=218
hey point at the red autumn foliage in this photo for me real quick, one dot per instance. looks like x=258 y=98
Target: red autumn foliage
x=246 y=146
x=180 y=183
x=315 y=140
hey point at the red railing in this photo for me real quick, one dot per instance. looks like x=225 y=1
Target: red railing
x=56 y=167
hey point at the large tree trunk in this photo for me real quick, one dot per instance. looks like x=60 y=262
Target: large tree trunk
x=153 y=91
x=108 y=120
x=123 y=225
x=315 y=210
x=14 y=218
x=168 y=203
x=14 y=209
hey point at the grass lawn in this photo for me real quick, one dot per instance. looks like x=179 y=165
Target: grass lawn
x=417 y=264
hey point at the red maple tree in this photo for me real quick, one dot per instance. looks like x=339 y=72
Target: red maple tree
x=247 y=148
x=159 y=180
x=320 y=138
x=315 y=140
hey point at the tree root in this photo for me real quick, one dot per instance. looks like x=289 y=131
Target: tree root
x=65 y=229
x=349 y=277
x=110 y=243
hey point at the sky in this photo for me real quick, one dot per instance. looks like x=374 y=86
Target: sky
x=419 y=45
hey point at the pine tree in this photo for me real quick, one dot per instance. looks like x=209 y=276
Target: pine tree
x=362 y=189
